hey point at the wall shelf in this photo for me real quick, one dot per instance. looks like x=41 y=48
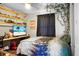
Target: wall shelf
x=6 y=24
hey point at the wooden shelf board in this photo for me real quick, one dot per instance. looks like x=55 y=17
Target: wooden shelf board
x=14 y=38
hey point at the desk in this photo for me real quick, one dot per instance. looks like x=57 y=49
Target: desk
x=6 y=41
x=14 y=38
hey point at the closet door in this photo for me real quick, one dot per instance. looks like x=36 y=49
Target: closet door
x=46 y=25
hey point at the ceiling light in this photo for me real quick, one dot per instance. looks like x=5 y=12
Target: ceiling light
x=28 y=6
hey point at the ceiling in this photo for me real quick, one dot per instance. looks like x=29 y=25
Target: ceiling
x=21 y=7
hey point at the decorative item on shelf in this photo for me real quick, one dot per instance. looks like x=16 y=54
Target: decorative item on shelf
x=24 y=23
x=9 y=34
x=20 y=24
x=9 y=21
x=32 y=24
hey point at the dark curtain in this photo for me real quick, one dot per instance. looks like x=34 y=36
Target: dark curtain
x=46 y=25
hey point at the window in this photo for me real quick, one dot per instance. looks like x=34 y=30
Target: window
x=46 y=25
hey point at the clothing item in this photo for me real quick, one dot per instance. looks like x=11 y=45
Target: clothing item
x=41 y=50
x=57 y=47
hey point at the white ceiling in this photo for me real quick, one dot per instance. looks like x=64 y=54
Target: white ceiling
x=21 y=7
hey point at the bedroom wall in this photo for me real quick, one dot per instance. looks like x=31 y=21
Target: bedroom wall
x=32 y=32
x=59 y=29
x=76 y=28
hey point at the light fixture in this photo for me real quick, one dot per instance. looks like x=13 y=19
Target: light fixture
x=28 y=6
